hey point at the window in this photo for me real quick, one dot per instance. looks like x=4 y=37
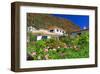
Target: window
x=51 y=30
x=44 y=37
x=57 y=30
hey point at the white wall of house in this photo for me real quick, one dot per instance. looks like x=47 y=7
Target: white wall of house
x=39 y=37
x=59 y=31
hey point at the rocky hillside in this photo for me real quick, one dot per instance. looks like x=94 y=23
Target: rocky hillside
x=46 y=20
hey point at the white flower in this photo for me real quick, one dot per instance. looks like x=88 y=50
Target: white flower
x=54 y=49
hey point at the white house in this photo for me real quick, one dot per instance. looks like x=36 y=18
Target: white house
x=46 y=33
x=57 y=30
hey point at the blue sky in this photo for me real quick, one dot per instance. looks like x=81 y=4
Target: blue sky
x=81 y=20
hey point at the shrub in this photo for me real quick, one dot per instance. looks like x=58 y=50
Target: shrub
x=84 y=39
x=66 y=40
x=40 y=44
x=54 y=43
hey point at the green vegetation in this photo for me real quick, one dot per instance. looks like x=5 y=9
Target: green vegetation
x=62 y=48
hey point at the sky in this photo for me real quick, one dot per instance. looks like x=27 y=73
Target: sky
x=81 y=20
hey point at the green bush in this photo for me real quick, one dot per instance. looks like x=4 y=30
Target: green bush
x=54 y=43
x=40 y=44
x=84 y=39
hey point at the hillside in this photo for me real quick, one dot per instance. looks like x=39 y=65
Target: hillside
x=46 y=20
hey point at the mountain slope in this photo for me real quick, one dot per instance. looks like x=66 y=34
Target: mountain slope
x=46 y=20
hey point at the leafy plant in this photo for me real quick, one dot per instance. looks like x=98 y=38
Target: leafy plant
x=54 y=43
x=55 y=48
